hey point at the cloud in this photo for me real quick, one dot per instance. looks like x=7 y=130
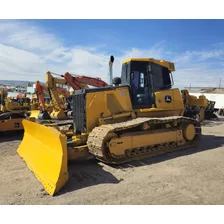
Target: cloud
x=27 y=51
x=196 y=57
x=199 y=68
x=27 y=36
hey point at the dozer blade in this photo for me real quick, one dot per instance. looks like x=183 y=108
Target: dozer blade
x=44 y=150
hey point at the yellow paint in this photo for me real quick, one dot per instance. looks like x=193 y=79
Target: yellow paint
x=15 y=106
x=118 y=146
x=44 y=150
x=193 y=101
x=11 y=124
x=106 y=103
x=78 y=152
x=175 y=108
x=167 y=64
x=189 y=132
x=79 y=139
x=34 y=113
x=202 y=114
x=176 y=101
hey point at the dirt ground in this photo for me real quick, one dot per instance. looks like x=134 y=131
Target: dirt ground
x=190 y=176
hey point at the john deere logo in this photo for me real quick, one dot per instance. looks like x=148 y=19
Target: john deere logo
x=168 y=99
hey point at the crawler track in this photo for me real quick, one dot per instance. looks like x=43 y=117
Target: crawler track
x=100 y=137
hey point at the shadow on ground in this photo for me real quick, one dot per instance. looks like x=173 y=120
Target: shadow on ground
x=87 y=173
x=90 y=173
x=11 y=136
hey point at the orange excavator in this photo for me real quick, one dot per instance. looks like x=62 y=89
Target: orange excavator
x=61 y=105
x=20 y=95
x=43 y=110
x=77 y=81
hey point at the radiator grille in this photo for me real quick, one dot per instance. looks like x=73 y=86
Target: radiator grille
x=79 y=112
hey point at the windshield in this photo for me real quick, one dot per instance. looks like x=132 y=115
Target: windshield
x=161 y=78
x=145 y=79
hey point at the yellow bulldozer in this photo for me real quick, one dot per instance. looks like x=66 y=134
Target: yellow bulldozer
x=140 y=116
x=199 y=108
x=12 y=111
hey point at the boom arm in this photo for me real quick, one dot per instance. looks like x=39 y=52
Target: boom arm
x=76 y=82
x=51 y=83
x=40 y=93
x=52 y=89
x=80 y=82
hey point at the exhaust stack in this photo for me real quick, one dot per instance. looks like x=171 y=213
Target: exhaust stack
x=111 y=69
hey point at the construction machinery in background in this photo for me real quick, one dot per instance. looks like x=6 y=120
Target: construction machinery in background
x=56 y=105
x=35 y=103
x=18 y=104
x=210 y=110
x=60 y=106
x=140 y=116
x=199 y=108
x=12 y=111
x=213 y=95
x=78 y=82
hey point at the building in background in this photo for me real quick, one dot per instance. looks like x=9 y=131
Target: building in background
x=31 y=88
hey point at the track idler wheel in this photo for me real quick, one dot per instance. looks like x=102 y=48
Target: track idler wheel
x=107 y=143
x=189 y=132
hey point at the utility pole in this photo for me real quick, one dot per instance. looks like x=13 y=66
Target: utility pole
x=220 y=82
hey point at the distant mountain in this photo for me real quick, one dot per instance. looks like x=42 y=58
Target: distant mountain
x=17 y=82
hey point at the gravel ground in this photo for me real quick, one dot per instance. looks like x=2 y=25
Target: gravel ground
x=191 y=176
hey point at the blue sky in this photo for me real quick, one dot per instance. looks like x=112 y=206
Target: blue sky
x=29 y=48
x=138 y=33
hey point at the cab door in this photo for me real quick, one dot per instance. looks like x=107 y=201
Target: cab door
x=141 y=95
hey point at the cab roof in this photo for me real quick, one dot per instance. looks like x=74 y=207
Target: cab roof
x=168 y=64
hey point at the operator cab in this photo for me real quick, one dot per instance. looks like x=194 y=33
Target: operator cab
x=146 y=76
